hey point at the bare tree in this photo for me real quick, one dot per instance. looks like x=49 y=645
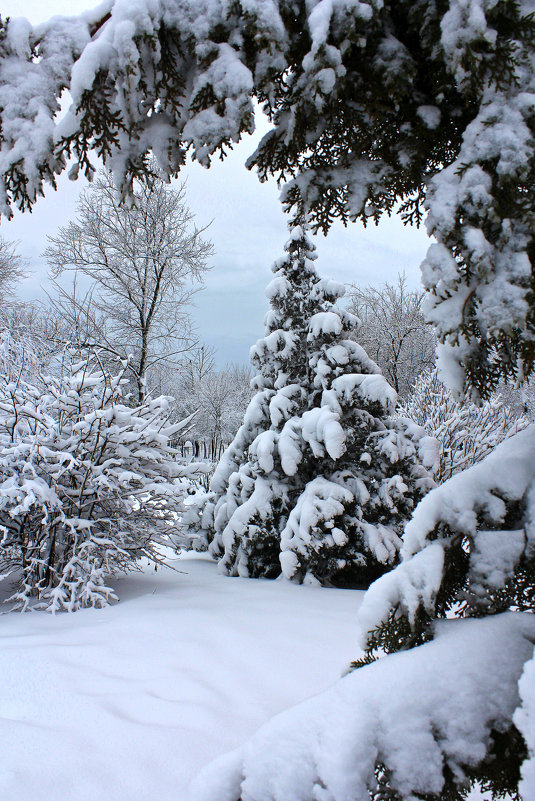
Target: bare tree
x=198 y=366
x=218 y=398
x=466 y=433
x=136 y=268
x=393 y=331
x=31 y=338
x=12 y=270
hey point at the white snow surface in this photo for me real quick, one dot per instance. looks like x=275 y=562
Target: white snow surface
x=130 y=702
x=412 y=711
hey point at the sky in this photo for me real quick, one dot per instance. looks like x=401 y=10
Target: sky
x=247 y=227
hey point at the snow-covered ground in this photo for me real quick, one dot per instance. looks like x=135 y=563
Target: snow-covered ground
x=129 y=702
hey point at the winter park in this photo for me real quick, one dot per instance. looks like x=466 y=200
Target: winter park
x=267 y=400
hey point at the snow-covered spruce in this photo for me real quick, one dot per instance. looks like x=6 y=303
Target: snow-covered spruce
x=466 y=432
x=88 y=485
x=524 y=719
x=318 y=480
x=469 y=548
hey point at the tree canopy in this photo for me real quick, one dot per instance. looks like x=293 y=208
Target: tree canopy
x=376 y=106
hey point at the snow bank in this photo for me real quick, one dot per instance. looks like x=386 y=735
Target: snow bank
x=130 y=702
x=415 y=712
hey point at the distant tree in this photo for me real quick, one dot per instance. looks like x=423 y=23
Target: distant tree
x=142 y=261
x=32 y=335
x=466 y=433
x=218 y=399
x=197 y=365
x=317 y=481
x=12 y=270
x=393 y=331
x=88 y=485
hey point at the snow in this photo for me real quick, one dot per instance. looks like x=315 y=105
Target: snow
x=495 y=556
x=415 y=583
x=430 y=116
x=372 y=388
x=412 y=711
x=325 y=323
x=321 y=501
x=524 y=719
x=130 y=702
x=322 y=431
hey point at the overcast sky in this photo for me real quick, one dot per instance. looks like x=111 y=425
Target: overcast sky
x=248 y=231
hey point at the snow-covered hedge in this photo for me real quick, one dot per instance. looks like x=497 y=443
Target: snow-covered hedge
x=88 y=485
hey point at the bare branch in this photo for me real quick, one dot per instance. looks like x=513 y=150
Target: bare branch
x=142 y=265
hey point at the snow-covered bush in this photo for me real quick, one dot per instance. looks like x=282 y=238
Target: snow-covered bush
x=521 y=399
x=466 y=432
x=318 y=480
x=17 y=356
x=433 y=720
x=88 y=485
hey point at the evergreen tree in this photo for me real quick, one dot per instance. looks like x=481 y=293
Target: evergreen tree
x=469 y=551
x=318 y=479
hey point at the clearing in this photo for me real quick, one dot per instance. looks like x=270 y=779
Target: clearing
x=129 y=702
